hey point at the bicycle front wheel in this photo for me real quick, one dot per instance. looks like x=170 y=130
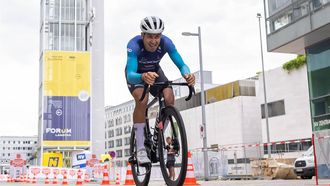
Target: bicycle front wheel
x=141 y=174
x=172 y=147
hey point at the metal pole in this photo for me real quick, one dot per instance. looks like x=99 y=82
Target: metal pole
x=206 y=167
x=265 y=95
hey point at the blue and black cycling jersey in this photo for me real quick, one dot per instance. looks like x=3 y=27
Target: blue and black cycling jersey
x=140 y=60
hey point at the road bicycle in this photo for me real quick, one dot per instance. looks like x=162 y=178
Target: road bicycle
x=168 y=124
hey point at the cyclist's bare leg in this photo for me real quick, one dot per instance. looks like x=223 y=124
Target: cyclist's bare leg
x=168 y=96
x=139 y=124
x=140 y=106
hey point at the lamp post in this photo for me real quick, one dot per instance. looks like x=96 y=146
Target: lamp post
x=206 y=168
x=265 y=95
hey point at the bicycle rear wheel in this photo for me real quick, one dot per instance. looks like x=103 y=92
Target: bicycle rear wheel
x=141 y=174
x=173 y=158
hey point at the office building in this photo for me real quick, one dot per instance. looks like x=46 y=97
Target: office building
x=10 y=146
x=71 y=91
x=303 y=27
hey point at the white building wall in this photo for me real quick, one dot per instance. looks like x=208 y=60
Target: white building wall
x=293 y=89
x=231 y=121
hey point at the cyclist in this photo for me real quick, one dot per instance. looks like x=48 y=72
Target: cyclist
x=144 y=53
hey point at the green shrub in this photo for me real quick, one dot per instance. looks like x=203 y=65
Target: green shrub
x=295 y=63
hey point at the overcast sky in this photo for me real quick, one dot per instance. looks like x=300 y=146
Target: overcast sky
x=230 y=42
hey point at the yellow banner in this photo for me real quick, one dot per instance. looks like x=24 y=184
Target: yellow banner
x=67 y=74
x=66 y=143
x=52 y=159
x=223 y=92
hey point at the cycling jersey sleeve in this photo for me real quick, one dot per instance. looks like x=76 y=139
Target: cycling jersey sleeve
x=132 y=65
x=176 y=57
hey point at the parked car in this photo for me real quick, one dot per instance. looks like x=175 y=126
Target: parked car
x=304 y=166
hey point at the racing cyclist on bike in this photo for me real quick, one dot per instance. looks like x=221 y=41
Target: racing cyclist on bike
x=144 y=53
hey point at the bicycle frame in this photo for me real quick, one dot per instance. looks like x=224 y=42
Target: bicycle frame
x=152 y=144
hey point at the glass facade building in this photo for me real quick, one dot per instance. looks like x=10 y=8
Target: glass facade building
x=71 y=76
x=302 y=27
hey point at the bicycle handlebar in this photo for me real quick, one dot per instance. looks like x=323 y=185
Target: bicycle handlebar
x=165 y=84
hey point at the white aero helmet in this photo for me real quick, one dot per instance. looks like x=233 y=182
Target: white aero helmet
x=152 y=25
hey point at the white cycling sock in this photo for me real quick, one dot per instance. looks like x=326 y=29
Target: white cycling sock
x=139 y=135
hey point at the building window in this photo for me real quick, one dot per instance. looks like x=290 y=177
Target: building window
x=119 y=131
x=286 y=147
x=118 y=121
x=127 y=118
x=111 y=144
x=276 y=108
x=119 y=153
x=127 y=129
x=110 y=123
x=127 y=153
x=111 y=133
x=127 y=140
x=119 y=142
x=119 y=163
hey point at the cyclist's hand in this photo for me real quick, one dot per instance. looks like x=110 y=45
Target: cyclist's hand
x=149 y=77
x=190 y=78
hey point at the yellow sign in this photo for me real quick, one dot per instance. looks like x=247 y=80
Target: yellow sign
x=52 y=159
x=105 y=157
x=66 y=73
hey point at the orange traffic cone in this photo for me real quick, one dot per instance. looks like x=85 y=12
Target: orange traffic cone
x=34 y=180
x=79 y=180
x=117 y=179
x=55 y=179
x=129 y=176
x=27 y=179
x=46 y=179
x=105 y=180
x=65 y=180
x=190 y=177
x=86 y=177
x=8 y=178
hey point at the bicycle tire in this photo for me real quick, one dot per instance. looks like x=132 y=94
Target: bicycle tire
x=135 y=166
x=168 y=112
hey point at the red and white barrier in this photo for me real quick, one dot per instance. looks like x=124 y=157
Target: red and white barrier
x=236 y=146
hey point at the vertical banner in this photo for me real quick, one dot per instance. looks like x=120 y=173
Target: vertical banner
x=66 y=80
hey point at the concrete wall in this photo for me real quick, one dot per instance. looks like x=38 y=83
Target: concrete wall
x=97 y=104
x=293 y=89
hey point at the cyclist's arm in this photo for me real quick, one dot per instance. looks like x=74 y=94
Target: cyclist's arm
x=175 y=56
x=131 y=69
x=178 y=61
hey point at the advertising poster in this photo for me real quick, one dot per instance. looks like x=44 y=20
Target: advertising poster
x=79 y=159
x=66 y=117
x=52 y=159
